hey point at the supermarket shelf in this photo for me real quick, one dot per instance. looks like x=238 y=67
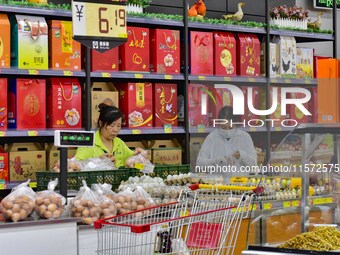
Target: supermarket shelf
x=25 y=133
x=151 y=130
x=35 y=11
x=294 y=81
x=35 y=72
x=153 y=21
x=206 y=130
x=281 y=129
x=303 y=36
x=232 y=28
x=234 y=79
x=138 y=76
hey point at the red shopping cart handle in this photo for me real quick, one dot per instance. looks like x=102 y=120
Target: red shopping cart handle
x=256 y=190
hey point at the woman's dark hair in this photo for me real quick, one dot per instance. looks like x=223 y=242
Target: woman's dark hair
x=226 y=113
x=108 y=115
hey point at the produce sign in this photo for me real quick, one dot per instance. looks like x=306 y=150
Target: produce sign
x=99 y=25
x=325 y=4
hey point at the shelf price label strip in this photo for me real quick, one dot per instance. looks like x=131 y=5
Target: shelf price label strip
x=33 y=72
x=2 y=133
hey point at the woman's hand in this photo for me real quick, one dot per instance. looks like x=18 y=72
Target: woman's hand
x=236 y=154
x=109 y=156
x=140 y=151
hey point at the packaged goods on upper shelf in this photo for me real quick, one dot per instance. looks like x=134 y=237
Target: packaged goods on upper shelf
x=225 y=54
x=135 y=53
x=201 y=53
x=5 y=42
x=165 y=104
x=304 y=63
x=29 y=42
x=248 y=55
x=198 y=105
x=102 y=92
x=219 y=97
x=287 y=55
x=25 y=159
x=257 y=97
x=106 y=61
x=3 y=104
x=4 y=166
x=274 y=57
x=316 y=64
x=135 y=101
x=27 y=103
x=293 y=112
x=64 y=103
x=313 y=106
x=165 y=51
x=64 y=52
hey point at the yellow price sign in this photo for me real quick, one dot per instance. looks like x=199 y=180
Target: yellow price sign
x=227 y=78
x=307 y=81
x=33 y=72
x=295 y=203
x=184 y=213
x=33 y=184
x=167 y=128
x=251 y=79
x=139 y=166
x=32 y=133
x=329 y=200
x=277 y=128
x=2 y=133
x=286 y=204
x=317 y=201
x=253 y=129
x=273 y=80
x=201 y=78
x=68 y=73
x=200 y=128
x=106 y=75
x=288 y=81
x=168 y=77
x=267 y=206
x=2 y=186
x=136 y=131
x=139 y=76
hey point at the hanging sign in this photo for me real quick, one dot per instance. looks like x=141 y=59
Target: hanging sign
x=325 y=4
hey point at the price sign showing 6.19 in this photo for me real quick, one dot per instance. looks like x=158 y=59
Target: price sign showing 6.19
x=99 y=25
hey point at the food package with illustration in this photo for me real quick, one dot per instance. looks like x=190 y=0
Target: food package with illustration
x=220 y=96
x=287 y=55
x=304 y=63
x=165 y=51
x=135 y=101
x=135 y=53
x=198 y=105
x=248 y=55
x=5 y=42
x=102 y=92
x=3 y=104
x=105 y=61
x=27 y=103
x=294 y=113
x=29 y=42
x=165 y=152
x=273 y=57
x=165 y=104
x=25 y=159
x=255 y=94
x=65 y=53
x=53 y=155
x=201 y=53
x=4 y=165
x=225 y=54
x=64 y=103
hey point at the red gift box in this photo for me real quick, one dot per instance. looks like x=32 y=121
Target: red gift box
x=201 y=53
x=256 y=101
x=165 y=51
x=4 y=168
x=248 y=55
x=293 y=112
x=313 y=106
x=134 y=54
x=27 y=104
x=198 y=105
x=135 y=101
x=165 y=104
x=219 y=97
x=64 y=103
x=106 y=61
x=225 y=54
x=3 y=104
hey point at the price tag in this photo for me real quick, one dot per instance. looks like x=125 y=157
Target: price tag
x=32 y=133
x=167 y=128
x=307 y=81
x=274 y=80
x=106 y=75
x=2 y=186
x=68 y=73
x=168 y=77
x=329 y=200
x=139 y=76
x=267 y=206
x=288 y=81
x=201 y=78
x=2 y=133
x=252 y=129
x=323 y=200
x=184 y=213
x=33 y=72
x=251 y=79
x=278 y=129
x=253 y=207
x=139 y=166
x=295 y=203
x=136 y=131
x=286 y=204
x=316 y=201
x=200 y=128
x=33 y=184
x=227 y=78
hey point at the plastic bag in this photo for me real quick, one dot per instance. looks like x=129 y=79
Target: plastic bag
x=19 y=204
x=140 y=161
x=73 y=165
x=108 y=207
x=126 y=201
x=48 y=203
x=100 y=163
x=106 y=189
x=86 y=205
x=179 y=247
x=144 y=200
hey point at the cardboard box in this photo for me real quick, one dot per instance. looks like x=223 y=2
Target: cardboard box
x=64 y=103
x=5 y=42
x=166 y=152
x=27 y=104
x=304 y=63
x=195 y=146
x=258 y=97
x=102 y=92
x=248 y=55
x=201 y=53
x=165 y=51
x=198 y=105
x=274 y=59
x=225 y=54
x=165 y=104
x=106 y=61
x=64 y=52
x=287 y=51
x=25 y=159
x=135 y=101
x=134 y=145
x=219 y=98
x=53 y=155
x=135 y=53
x=328 y=91
x=3 y=104
x=29 y=42
x=4 y=166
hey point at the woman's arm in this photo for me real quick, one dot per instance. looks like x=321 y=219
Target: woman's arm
x=248 y=155
x=205 y=157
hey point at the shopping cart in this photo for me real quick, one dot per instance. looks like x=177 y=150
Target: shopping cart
x=199 y=223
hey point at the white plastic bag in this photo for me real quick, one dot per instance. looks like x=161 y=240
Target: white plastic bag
x=19 y=204
x=140 y=162
x=108 y=207
x=126 y=201
x=99 y=163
